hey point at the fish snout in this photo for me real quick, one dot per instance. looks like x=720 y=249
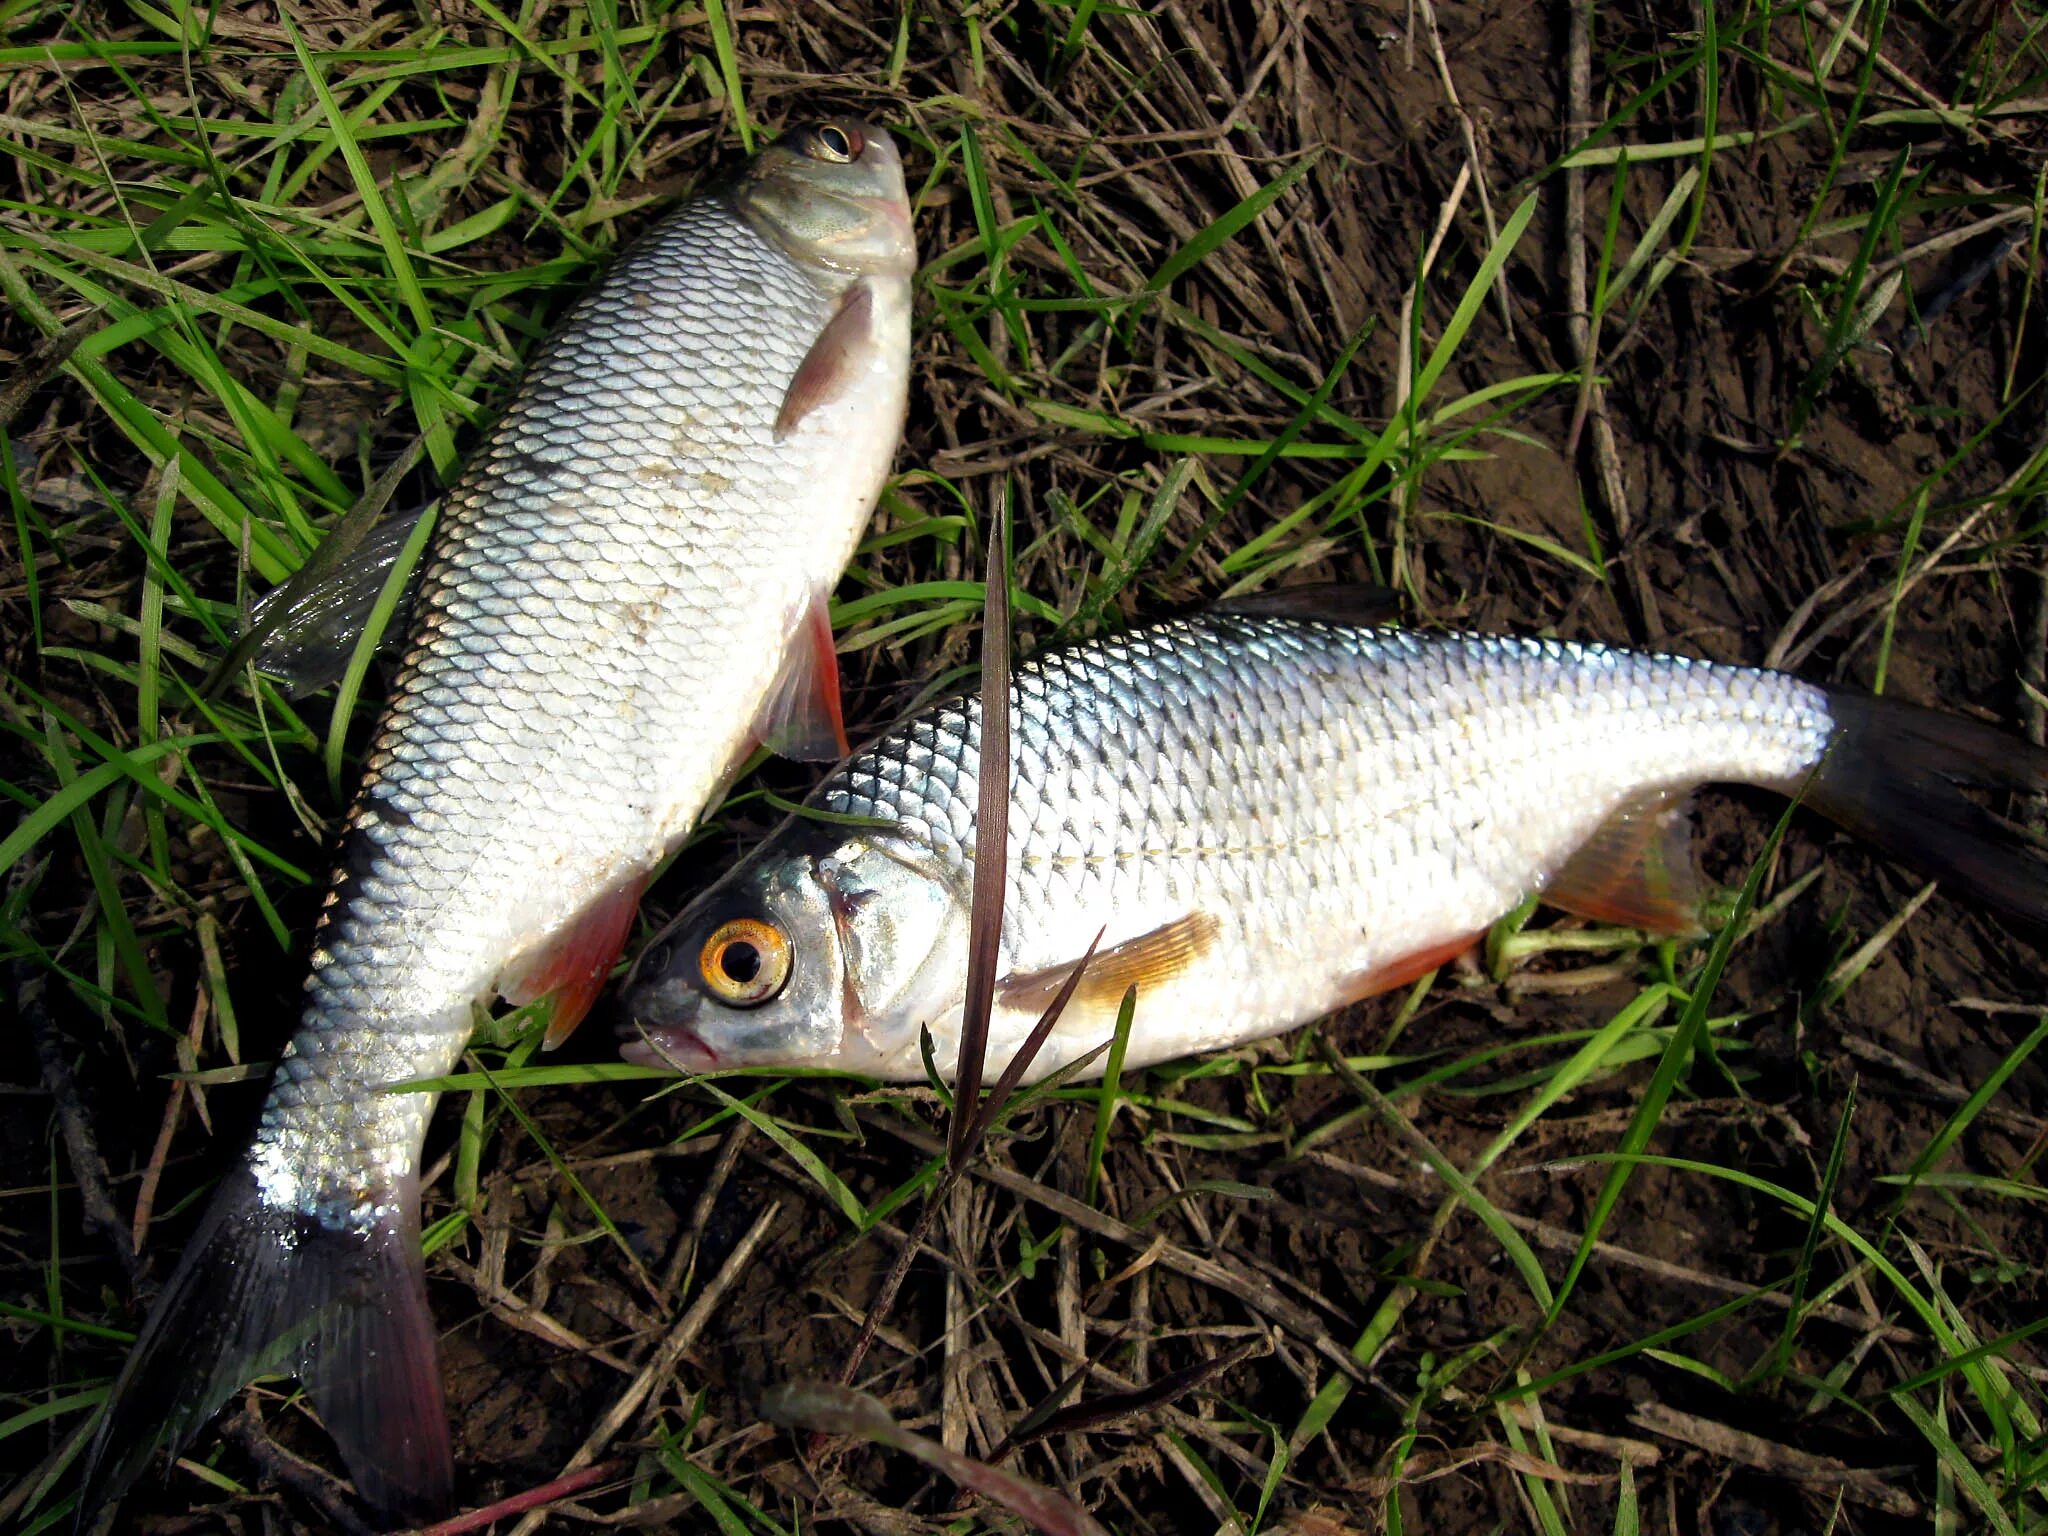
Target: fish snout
x=657 y=1028
x=673 y=1049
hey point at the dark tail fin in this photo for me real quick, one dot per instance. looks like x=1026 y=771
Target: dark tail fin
x=1895 y=777
x=262 y=1290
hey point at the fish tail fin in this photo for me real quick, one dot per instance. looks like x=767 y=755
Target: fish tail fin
x=262 y=1290
x=1895 y=776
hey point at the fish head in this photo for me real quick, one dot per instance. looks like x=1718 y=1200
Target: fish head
x=831 y=193
x=823 y=950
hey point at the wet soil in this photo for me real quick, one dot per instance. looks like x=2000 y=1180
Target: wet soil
x=1729 y=542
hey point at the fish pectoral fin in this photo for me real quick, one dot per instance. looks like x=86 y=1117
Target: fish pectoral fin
x=1357 y=604
x=801 y=717
x=834 y=361
x=570 y=969
x=1636 y=869
x=1146 y=961
x=264 y=1288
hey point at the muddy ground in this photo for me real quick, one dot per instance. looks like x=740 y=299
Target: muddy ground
x=1726 y=542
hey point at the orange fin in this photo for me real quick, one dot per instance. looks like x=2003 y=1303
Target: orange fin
x=1143 y=962
x=1636 y=870
x=570 y=969
x=1401 y=971
x=801 y=718
x=833 y=361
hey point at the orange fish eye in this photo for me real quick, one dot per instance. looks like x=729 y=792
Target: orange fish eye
x=836 y=142
x=744 y=962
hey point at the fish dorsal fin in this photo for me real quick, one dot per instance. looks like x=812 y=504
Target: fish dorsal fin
x=570 y=969
x=800 y=718
x=304 y=629
x=1636 y=869
x=1358 y=604
x=1146 y=961
x=833 y=362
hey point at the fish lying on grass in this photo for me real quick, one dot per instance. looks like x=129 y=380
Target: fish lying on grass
x=625 y=593
x=1268 y=817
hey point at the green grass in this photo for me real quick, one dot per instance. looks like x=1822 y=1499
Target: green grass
x=255 y=259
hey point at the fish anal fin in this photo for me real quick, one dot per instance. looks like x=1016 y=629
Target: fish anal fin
x=834 y=361
x=1636 y=869
x=1145 y=962
x=569 y=970
x=265 y=1288
x=1404 y=969
x=801 y=718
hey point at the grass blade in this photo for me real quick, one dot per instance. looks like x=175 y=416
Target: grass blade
x=991 y=843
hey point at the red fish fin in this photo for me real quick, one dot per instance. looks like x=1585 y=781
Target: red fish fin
x=1355 y=603
x=571 y=968
x=1405 y=969
x=1143 y=962
x=801 y=718
x=263 y=1289
x=833 y=363
x=1894 y=776
x=1636 y=870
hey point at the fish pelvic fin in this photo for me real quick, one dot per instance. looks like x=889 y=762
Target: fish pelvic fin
x=263 y=1290
x=570 y=970
x=1895 y=776
x=801 y=718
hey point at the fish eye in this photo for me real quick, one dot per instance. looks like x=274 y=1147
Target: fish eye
x=832 y=142
x=745 y=962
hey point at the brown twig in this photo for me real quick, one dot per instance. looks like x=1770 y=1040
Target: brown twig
x=682 y=1263
x=664 y=1360
x=245 y=1432
x=174 y=1106
x=1873 y=1487
x=1471 y=136
x=1590 y=409
x=1260 y=1294
x=81 y=1149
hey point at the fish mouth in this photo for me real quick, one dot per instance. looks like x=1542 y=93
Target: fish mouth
x=675 y=1047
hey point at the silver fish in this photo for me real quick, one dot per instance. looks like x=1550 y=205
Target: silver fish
x=1268 y=817
x=625 y=592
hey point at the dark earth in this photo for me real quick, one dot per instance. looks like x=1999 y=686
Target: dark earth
x=1788 y=494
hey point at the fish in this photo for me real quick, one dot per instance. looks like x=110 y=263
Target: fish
x=1257 y=816
x=624 y=594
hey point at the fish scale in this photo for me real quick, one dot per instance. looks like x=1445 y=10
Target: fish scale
x=1265 y=815
x=625 y=591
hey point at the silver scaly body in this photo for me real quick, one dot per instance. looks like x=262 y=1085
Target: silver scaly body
x=621 y=566
x=1337 y=800
x=624 y=593
x=1265 y=818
